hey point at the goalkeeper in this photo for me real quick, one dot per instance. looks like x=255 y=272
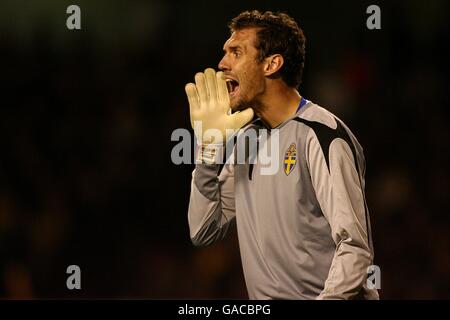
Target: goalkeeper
x=304 y=232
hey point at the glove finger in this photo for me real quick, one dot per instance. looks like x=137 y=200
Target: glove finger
x=202 y=90
x=192 y=95
x=222 y=90
x=240 y=119
x=210 y=76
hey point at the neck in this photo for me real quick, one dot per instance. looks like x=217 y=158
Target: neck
x=278 y=104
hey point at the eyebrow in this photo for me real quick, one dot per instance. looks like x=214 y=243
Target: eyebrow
x=232 y=48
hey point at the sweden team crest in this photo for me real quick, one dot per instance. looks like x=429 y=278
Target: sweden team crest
x=290 y=159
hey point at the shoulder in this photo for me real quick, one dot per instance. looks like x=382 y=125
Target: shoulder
x=324 y=128
x=323 y=123
x=315 y=115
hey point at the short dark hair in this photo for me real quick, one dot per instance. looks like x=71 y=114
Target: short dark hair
x=278 y=34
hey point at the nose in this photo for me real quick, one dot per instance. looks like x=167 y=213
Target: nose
x=223 y=64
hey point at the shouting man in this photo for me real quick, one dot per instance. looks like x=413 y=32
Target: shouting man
x=304 y=232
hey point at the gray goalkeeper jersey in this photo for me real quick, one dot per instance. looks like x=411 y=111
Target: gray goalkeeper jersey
x=304 y=232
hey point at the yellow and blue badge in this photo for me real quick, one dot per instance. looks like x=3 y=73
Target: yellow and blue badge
x=290 y=159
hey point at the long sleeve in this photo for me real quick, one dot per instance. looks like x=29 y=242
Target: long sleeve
x=339 y=191
x=212 y=204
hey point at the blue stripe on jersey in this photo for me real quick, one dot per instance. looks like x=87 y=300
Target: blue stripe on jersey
x=303 y=101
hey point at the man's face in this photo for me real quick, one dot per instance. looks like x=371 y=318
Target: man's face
x=244 y=74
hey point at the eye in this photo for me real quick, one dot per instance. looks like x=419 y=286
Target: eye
x=235 y=52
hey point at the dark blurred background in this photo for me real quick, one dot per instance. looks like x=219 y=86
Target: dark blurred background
x=86 y=118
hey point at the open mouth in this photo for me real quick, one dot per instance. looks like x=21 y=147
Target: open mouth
x=232 y=85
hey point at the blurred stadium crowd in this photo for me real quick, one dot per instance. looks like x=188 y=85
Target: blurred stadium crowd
x=86 y=119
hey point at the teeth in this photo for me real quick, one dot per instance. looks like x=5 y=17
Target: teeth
x=229 y=86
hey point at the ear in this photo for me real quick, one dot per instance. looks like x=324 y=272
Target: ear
x=273 y=64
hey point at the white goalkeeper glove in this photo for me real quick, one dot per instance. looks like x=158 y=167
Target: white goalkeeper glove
x=211 y=117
